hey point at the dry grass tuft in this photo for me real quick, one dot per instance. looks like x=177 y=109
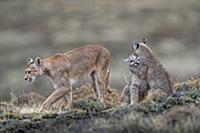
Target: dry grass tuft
x=188 y=85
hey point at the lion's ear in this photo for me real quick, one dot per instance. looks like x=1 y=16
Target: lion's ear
x=135 y=46
x=29 y=61
x=144 y=40
x=38 y=61
x=126 y=61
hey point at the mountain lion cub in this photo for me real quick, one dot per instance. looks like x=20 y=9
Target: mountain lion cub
x=148 y=74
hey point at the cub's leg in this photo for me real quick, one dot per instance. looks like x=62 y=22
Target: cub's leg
x=143 y=90
x=134 y=90
x=95 y=84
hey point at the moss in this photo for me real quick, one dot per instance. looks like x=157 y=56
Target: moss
x=11 y=115
x=90 y=105
x=49 y=115
x=194 y=94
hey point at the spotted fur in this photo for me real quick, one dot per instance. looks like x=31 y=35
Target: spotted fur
x=147 y=69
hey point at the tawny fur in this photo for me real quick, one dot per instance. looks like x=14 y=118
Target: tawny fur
x=65 y=69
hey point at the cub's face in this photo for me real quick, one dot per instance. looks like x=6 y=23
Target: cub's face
x=133 y=60
x=33 y=70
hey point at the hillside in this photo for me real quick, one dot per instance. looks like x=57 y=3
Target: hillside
x=166 y=115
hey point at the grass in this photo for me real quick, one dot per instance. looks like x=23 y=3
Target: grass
x=166 y=114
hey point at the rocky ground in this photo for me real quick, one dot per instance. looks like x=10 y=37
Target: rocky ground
x=179 y=114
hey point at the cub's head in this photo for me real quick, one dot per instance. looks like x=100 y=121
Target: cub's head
x=133 y=60
x=34 y=69
x=141 y=49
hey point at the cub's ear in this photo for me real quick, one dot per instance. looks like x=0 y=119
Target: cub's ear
x=126 y=61
x=29 y=61
x=144 y=40
x=136 y=46
x=38 y=61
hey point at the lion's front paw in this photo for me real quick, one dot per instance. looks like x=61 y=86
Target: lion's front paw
x=101 y=99
x=44 y=106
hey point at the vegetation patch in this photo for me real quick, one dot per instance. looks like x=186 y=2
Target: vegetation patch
x=180 y=113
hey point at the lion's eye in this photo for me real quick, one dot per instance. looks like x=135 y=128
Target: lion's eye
x=28 y=72
x=131 y=61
